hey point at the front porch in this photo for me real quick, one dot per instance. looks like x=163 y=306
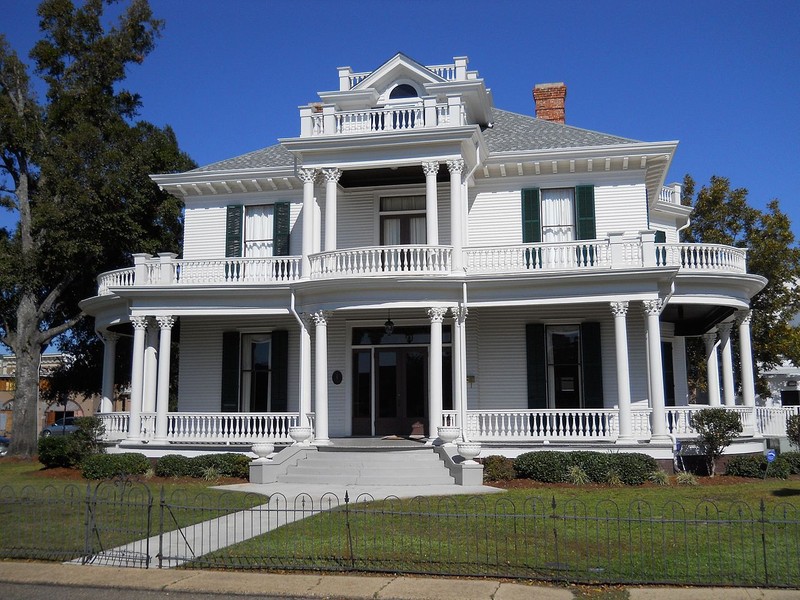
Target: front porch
x=587 y=427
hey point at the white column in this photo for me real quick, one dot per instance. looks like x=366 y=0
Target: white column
x=305 y=368
x=321 y=378
x=109 y=362
x=431 y=202
x=727 y=363
x=746 y=358
x=460 y=367
x=456 y=231
x=658 y=423
x=162 y=404
x=307 y=176
x=436 y=315
x=150 y=368
x=331 y=180
x=712 y=369
x=137 y=378
x=620 y=311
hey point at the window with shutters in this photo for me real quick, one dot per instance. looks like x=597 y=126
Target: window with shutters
x=256 y=370
x=255 y=373
x=558 y=214
x=564 y=366
x=258 y=231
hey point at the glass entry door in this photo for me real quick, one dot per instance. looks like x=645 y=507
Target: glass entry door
x=401 y=390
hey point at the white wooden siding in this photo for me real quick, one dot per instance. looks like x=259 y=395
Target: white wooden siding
x=204 y=232
x=356 y=220
x=495 y=218
x=620 y=207
x=200 y=371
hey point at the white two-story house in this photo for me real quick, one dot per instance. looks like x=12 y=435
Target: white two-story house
x=415 y=257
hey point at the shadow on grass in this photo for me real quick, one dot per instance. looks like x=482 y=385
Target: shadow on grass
x=786 y=492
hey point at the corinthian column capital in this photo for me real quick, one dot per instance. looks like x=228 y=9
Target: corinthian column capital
x=307 y=175
x=332 y=175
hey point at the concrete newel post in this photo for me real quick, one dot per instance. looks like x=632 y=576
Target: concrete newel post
x=329 y=119
x=429 y=107
x=140 y=269
x=648 y=241
x=616 y=250
x=167 y=273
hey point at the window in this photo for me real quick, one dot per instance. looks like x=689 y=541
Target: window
x=402 y=220
x=256 y=367
x=258 y=231
x=403 y=91
x=558 y=214
x=564 y=366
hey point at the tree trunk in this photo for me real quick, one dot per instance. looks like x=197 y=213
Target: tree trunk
x=28 y=350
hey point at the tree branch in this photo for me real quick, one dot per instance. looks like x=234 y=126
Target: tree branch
x=47 y=335
x=51 y=298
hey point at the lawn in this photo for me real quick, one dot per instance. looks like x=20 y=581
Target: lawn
x=719 y=532
x=56 y=514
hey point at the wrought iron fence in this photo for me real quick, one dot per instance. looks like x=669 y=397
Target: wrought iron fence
x=538 y=538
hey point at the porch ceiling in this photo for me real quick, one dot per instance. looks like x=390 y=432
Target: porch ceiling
x=388 y=176
x=695 y=319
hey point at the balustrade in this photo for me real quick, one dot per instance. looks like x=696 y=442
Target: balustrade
x=539 y=257
x=381 y=260
x=702 y=257
x=387 y=118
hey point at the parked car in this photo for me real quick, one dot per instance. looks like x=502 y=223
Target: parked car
x=4 y=443
x=62 y=426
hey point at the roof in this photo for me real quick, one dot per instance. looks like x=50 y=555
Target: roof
x=511 y=132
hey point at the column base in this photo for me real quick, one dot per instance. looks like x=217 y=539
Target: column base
x=627 y=440
x=318 y=442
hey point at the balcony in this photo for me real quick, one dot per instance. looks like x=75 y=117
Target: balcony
x=612 y=253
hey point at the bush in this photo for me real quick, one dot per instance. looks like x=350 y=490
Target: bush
x=577 y=476
x=498 y=468
x=108 y=466
x=89 y=435
x=756 y=466
x=686 y=478
x=547 y=466
x=59 y=451
x=174 y=465
x=716 y=429
x=793 y=430
x=793 y=458
x=659 y=477
x=596 y=465
x=632 y=467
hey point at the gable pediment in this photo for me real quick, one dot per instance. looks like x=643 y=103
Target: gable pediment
x=399 y=69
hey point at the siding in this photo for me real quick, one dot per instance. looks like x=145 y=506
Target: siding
x=356 y=220
x=496 y=218
x=204 y=232
x=620 y=207
x=200 y=370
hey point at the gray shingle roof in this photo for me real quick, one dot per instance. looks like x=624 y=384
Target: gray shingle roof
x=271 y=156
x=511 y=132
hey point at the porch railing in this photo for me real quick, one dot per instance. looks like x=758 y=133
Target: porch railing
x=208 y=428
x=771 y=421
x=702 y=257
x=538 y=257
x=381 y=260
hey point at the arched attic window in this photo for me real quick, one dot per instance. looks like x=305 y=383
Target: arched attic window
x=403 y=90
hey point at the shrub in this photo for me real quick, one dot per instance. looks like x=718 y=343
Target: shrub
x=632 y=467
x=173 y=465
x=658 y=477
x=595 y=465
x=547 y=466
x=89 y=435
x=757 y=466
x=577 y=476
x=108 y=466
x=227 y=465
x=686 y=478
x=716 y=429
x=498 y=468
x=59 y=451
x=793 y=458
x=793 y=430
x=613 y=478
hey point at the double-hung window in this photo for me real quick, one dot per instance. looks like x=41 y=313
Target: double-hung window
x=558 y=214
x=402 y=220
x=258 y=231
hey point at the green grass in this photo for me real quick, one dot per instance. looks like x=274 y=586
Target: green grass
x=711 y=534
x=53 y=518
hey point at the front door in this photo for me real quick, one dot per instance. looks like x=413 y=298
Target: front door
x=401 y=390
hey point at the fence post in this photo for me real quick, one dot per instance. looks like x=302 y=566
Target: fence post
x=162 y=502
x=347 y=525
x=762 y=509
x=87 y=541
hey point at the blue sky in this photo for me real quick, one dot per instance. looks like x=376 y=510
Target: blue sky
x=722 y=77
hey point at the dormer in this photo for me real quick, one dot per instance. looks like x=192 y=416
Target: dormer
x=399 y=95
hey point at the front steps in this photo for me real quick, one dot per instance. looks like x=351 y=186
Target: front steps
x=368 y=467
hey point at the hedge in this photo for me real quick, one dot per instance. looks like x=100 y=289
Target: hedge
x=108 y=466
x=793 y=458
x=756 y=466
x=226 y=465
x=498 y=468
x=550 y=466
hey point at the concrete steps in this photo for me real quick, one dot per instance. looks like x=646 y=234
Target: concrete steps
x=368 y=466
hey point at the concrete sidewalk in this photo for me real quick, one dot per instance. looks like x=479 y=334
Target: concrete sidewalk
x=339 y=586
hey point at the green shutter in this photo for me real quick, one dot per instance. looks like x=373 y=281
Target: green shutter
x=233 y=230
x=531 y=225
x=230 y=371
x=536 y=357
x=280 y=232
x=584 y=212
x=592 y=362
x=279 y=365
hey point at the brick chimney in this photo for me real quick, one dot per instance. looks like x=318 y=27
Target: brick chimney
x=550 y=99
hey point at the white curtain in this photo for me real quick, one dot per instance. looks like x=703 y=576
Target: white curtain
x=258 y=231
x=418 y=232
x=558 y=215
x=391 y=232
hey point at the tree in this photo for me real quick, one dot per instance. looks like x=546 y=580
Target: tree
x=74 y=168
x=722 y=215
x=716 y=429
x=793 y=430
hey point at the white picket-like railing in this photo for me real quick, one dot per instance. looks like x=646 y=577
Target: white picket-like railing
x=702 y=257
x=381 y=260
x=538 y=257
x=276 y=269
x=771 y=421
x=115 y=424
x=117 y=278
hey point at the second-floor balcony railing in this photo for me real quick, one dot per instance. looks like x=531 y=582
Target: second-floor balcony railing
x=615 y=252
